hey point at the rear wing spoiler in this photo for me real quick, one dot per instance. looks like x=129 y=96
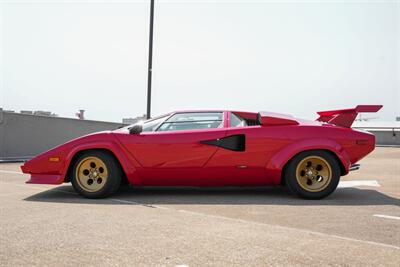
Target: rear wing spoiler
x=345 y=117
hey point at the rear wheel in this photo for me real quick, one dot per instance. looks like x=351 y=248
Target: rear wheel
x=313 y=174
x=96 y=174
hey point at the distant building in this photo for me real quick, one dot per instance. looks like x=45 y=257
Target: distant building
x=80 y=114
x=133 y=120
x=41 y=113
x=398 y=118
x=36 y=113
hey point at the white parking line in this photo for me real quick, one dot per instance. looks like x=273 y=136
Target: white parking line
x=287 y=228
x=255 y=223
x=355 y=183
x=138 y=203
x=28 y=186
x=13 y=172
x=387 y=216
x=195 y=213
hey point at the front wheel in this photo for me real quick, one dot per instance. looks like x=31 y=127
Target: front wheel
x=313 y=174
x=96 y=174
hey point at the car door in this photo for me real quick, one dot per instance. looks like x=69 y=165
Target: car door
x=173 y=152
x=245 y=166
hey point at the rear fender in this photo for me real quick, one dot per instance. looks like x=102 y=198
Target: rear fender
x=278 y=161
x=119 y=153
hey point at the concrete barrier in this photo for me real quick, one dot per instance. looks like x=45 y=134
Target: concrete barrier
x=23 y=136
x=389 y=136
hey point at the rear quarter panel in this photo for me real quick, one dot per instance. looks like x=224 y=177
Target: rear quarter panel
x=343 y=142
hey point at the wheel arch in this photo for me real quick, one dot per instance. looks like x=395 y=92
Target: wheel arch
x=125 y=162
x=277 y=164
x=72 y=161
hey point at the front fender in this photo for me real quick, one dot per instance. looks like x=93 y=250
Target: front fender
x=127 y=162
x=276 y=164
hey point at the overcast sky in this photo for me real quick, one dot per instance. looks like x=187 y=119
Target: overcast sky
x=290 y=57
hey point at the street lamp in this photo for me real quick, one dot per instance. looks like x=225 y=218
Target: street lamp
x=148 y=113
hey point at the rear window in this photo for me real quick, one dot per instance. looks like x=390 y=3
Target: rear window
x=236 y=121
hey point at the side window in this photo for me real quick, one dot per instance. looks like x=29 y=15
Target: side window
x=151 y=125
x=236 y=121
x=193 y=121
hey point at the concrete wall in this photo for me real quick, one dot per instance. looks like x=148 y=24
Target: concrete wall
x=386 y=132
x=386 y=137
x=24 y=136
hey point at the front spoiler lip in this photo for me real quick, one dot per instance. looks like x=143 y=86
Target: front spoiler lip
x=24 y=169
x=45 y=179
x=354 y=167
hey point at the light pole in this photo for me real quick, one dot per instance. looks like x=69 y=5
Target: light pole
x=148 y=113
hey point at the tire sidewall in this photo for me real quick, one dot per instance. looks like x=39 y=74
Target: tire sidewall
x=113 y=180
x=293 y=185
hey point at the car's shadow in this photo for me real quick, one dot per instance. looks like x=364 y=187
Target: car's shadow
x=216 y=196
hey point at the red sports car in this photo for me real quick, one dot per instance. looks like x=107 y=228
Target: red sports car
x=212 y=148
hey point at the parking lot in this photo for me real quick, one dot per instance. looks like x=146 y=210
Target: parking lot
x=51 y=225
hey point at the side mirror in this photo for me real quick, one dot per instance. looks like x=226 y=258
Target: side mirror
x=136 y=129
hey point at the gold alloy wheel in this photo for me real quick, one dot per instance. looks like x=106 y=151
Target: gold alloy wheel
x=313 y=173
x=91 y=174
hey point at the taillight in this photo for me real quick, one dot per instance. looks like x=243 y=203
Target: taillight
x=361 y=142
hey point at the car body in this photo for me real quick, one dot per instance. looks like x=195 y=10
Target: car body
x=211 y=148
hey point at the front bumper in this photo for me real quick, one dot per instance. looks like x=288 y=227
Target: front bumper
x=45 y=179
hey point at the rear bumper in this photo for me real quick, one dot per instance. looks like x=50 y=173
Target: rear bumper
x=45 y=179
x=354 y=167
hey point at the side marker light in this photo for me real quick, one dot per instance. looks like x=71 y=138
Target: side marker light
x=54 y=159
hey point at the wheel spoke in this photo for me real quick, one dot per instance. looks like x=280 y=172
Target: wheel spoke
x=84 y=178
x=102 y=175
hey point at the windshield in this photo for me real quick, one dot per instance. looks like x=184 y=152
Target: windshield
x=192 y=121
x=150 y=124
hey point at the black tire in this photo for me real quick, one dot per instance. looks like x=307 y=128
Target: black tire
x=109 y=165
x=291 y=175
